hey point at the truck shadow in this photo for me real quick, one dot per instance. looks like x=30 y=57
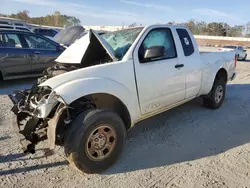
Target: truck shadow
x=32 y=168
x=8 y=159
x=187 y=133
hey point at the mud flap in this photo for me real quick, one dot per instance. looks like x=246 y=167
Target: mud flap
x=54 y=123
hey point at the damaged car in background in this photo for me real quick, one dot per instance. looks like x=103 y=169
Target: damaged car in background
x=69 y=35
x=102 y=85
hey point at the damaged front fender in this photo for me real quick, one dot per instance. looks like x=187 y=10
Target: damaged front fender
x=44 y=106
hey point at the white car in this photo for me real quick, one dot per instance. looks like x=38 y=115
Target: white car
x=103 y=85
x=240 y=51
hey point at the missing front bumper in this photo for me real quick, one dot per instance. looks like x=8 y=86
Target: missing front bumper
x=23 y=124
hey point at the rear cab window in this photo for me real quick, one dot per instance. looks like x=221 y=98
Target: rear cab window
x=241 y=48
x=186 y=42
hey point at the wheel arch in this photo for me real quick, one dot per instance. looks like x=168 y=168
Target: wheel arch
x=221 y=74
x=208 y=82
x=99 y=89
x=111 y=102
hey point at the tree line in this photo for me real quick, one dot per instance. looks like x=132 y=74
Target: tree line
x=213 y=28
x=55 y=19
x=197 y=27
x=216 y=28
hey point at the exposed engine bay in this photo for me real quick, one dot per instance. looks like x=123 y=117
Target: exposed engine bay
x=35 y=108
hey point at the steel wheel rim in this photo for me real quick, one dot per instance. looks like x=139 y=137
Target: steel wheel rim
x=219 y=94
x=101 y=142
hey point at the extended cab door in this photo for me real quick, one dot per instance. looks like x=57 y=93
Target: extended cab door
x=160 y=80
x=190 y=57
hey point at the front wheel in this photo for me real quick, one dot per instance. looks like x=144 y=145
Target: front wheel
x=95 y=140
x=217 y=95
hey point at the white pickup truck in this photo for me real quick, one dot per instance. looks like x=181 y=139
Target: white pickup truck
x=103 y=85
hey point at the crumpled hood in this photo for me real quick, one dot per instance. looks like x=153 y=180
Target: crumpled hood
x=99 y=71
x=75 y=52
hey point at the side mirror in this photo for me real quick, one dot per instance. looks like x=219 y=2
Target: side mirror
x=154 y=52
x=244 y=50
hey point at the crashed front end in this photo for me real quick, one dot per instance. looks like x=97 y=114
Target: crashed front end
x=33 y=109
x=40 y=113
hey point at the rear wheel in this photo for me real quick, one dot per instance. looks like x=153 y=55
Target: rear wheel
x=1 y=76
x=95 y=140
x=217 y=95
x=245 y=57
x=238 y=57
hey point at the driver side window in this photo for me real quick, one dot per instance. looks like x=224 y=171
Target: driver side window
x=159 y=38
x=36 y=42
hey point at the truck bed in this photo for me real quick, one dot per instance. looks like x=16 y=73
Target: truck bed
x=211 y=58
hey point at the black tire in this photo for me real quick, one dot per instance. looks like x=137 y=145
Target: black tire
x=210 y=100
x=1 y=76
x=245 y=57
x=75 y=143
x=238 y=57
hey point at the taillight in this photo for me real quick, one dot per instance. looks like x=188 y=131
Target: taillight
x=235 y=61
x=220 y=49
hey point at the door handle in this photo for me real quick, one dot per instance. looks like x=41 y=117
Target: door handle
x=179 y=66
x=36 y=52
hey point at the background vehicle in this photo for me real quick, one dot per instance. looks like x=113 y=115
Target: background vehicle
x=103 y=85
x=240 y=51
x=25 y=54
x=69 y=35
x=10 y=23
x=45 y=32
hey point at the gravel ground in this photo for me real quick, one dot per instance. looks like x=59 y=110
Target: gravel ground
x=189 y=146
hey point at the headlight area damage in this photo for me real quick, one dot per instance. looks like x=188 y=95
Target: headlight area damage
x=41 y=114
x=33 y=110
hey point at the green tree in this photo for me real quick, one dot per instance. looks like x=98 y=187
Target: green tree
x=51 y=20
x=236 y=31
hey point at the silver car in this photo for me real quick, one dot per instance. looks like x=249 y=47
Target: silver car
x=240 y=51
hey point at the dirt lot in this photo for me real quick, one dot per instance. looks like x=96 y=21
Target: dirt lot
x=189 y=146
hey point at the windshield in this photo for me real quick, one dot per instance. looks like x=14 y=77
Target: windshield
x=120 y=41
x=231 y=47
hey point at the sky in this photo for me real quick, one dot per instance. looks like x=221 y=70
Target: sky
x=125 y=12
